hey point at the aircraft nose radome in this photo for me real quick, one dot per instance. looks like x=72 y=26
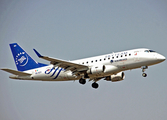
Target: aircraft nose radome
x=161 y=58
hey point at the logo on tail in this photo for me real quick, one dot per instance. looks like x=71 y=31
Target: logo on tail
x=21 y=59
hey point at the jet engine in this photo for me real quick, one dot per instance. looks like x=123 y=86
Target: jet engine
x=96 y=69
x=117 y=77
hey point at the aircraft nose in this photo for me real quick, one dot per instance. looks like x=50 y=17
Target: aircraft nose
x=161 y=58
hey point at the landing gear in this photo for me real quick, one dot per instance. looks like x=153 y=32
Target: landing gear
x=144 y=75
x=95 y=85
x=143 y=70
x=86 y=75
x=82 y=81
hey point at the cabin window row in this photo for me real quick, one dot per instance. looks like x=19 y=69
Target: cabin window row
x=106 y=58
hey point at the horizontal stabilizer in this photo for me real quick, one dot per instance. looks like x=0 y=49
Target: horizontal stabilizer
x=16 y=72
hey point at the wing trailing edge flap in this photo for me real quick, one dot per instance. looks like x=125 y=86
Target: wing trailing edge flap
x=16 y=72
x=67 y=65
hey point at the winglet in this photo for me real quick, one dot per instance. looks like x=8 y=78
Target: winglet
x=38 y=54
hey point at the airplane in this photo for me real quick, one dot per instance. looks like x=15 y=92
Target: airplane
x=108 y=67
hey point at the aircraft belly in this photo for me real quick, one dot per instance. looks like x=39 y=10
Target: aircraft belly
x=60 y=75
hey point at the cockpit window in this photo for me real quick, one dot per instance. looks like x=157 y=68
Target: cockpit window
x=146 y=51
x=151 y=50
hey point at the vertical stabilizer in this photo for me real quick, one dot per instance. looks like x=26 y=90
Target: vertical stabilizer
x=22 y=60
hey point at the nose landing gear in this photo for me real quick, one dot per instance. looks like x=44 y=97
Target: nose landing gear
x=143 y=70
x=144 y=75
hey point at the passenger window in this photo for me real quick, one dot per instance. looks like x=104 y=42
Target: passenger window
x=87 y=62
x=96 y=60
x=112 y=57
x=129 y=54
x=100 y=59
x=92 y=61
x=117 y=56
x=83 y=63
x=109 y=58
x=121 y=55
x=104 y=58
x=125 y=55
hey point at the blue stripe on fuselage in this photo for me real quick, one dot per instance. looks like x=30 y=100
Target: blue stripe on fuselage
x=54 y=72
x=58 y=73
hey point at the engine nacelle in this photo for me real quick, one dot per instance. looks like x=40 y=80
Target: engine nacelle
x=114 y=78
x=99 y=69
x=109 y=69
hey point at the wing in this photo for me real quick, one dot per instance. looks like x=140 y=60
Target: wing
x=67 y=65
x=16 y=72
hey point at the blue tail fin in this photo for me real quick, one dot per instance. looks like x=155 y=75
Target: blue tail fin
x=22 y=60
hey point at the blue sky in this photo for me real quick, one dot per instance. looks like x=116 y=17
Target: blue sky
x=71 y=30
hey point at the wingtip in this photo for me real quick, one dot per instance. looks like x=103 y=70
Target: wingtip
x=3 y=69
x=38 y=54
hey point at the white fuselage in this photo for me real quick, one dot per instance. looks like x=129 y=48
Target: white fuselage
x=113 y=63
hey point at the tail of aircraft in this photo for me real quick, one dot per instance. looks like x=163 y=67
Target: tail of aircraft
x=22 y=60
